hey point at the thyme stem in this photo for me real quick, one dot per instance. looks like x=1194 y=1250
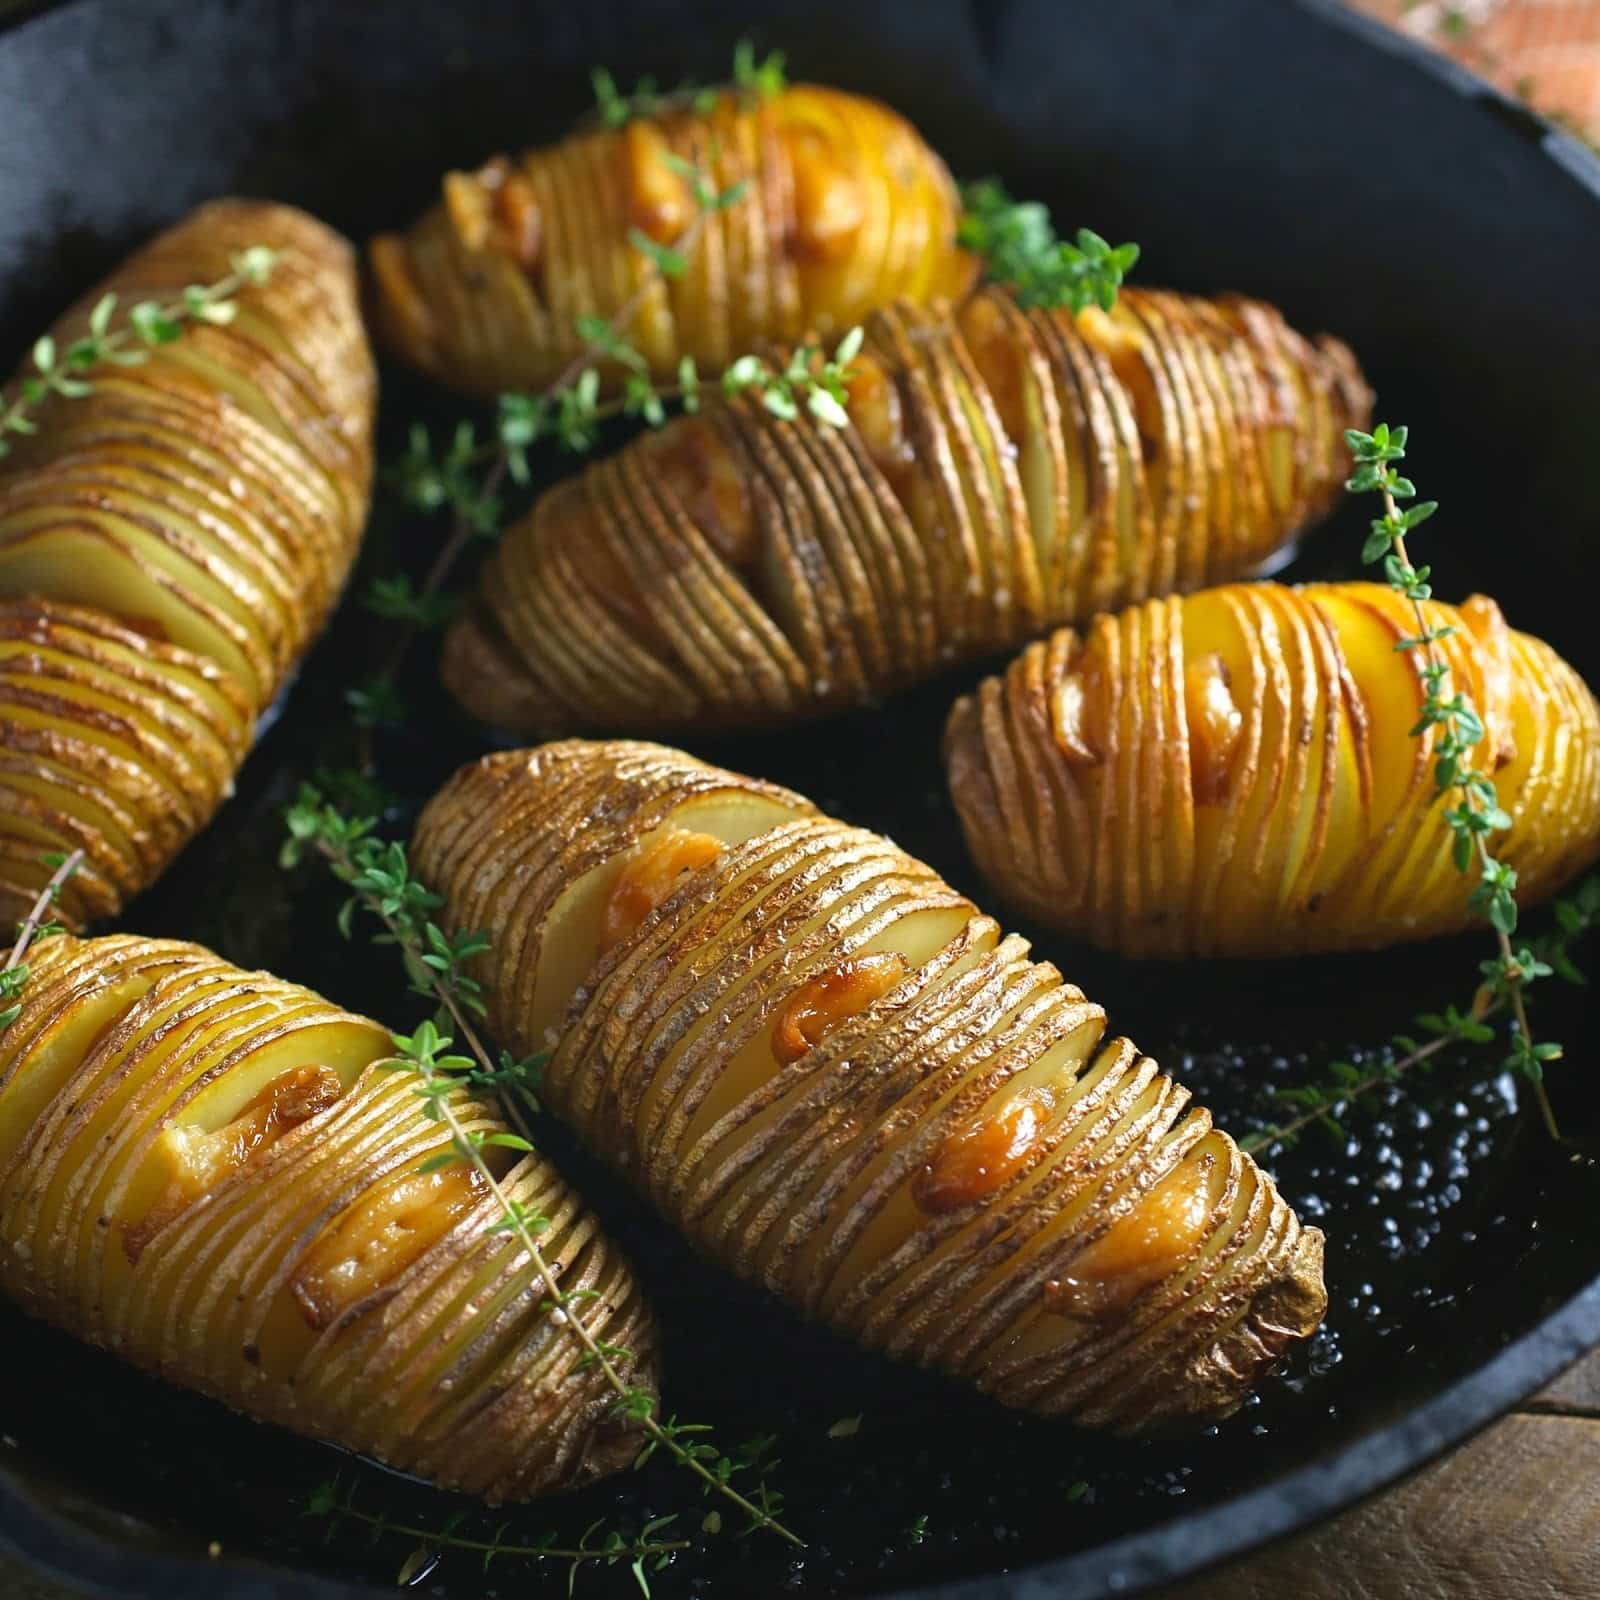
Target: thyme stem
x=1288 y=1132
x=451 y=1541
x=1470 y=800
x=46 y=899
x=1450 y=726
x=308 y=825
x=642 y=1547
x=629 y=309
x=149 y=324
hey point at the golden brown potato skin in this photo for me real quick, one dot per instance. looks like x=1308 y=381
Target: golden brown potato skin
x=958 y=1156
x=110 y=742
x=1003 y=470
x=204 y=508
x=1234 y=773
x=845 y=209
x=315 y=1278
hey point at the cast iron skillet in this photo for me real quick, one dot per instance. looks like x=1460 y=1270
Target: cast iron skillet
x=1284 y=149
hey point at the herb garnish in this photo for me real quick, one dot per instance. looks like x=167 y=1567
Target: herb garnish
x=1475 y=817
x=149 y=324
x=381 y=884
x=1551 y=955
x=753 y=79
x=645 y=1552
x=33 y=927
x=1020 y=248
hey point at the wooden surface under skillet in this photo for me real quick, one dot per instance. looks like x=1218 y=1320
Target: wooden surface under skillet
x=1512 y=1515
x=1515 y=1513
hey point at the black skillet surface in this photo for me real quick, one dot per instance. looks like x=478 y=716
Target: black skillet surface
x=1284 y=149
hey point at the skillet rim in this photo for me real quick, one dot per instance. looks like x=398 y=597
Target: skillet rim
x=59 y=1545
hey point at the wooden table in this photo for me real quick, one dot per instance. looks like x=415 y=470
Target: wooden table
x=1512 y=1515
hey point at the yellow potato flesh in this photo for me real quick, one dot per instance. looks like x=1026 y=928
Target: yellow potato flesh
x=1045 y=1331
x=1319 y=827
x=806 y=1171
x=59 y=791
x=114 y=743
x=574 y=938
x=918 y=937
x=120 y=694
x=731 y=1088
x=78 y=565
x=1052 y=1073
x=24 y=1093
x=428 y=1342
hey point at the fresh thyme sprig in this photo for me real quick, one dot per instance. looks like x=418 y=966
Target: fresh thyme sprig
x=1324 y=1103
x=1020 y=248
x=468 y=475
x=33 y=927
x=762 y=78
x=810 y=378
x=1457 y=727
x=616 y=109
x=149 y=324
x=757 y=79
x=381 y=883
x=645 y=1551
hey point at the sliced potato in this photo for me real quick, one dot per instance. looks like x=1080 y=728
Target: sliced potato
x=217 y=490
x=1007 y=470
x=211 y=1172
x=110 y=742
x=170 y=544
x=842 y=209
x=1282 y=802
x=839 y=1080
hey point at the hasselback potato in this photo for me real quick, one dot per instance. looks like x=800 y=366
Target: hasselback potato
x=1235 y=773
x=843 y=1082
x=844 y=209
x=1002 y=470
x=110 y=741
x=209 y=1172
x=178 y=536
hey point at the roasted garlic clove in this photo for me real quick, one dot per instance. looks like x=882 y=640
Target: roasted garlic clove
x=842 y=1082
x=212 y=1173
x=842 y=209
x=197 y=1159
x=650 y=876
x=1259 y=789
x=836 y=994
x=1002 y=470
x=170 y=544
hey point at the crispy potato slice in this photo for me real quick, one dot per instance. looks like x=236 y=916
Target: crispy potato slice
x=843 y=208
x=1009 y=469
x=110 y=742
x=1279 y=800
x=210 y=1172
x=952 y=1163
